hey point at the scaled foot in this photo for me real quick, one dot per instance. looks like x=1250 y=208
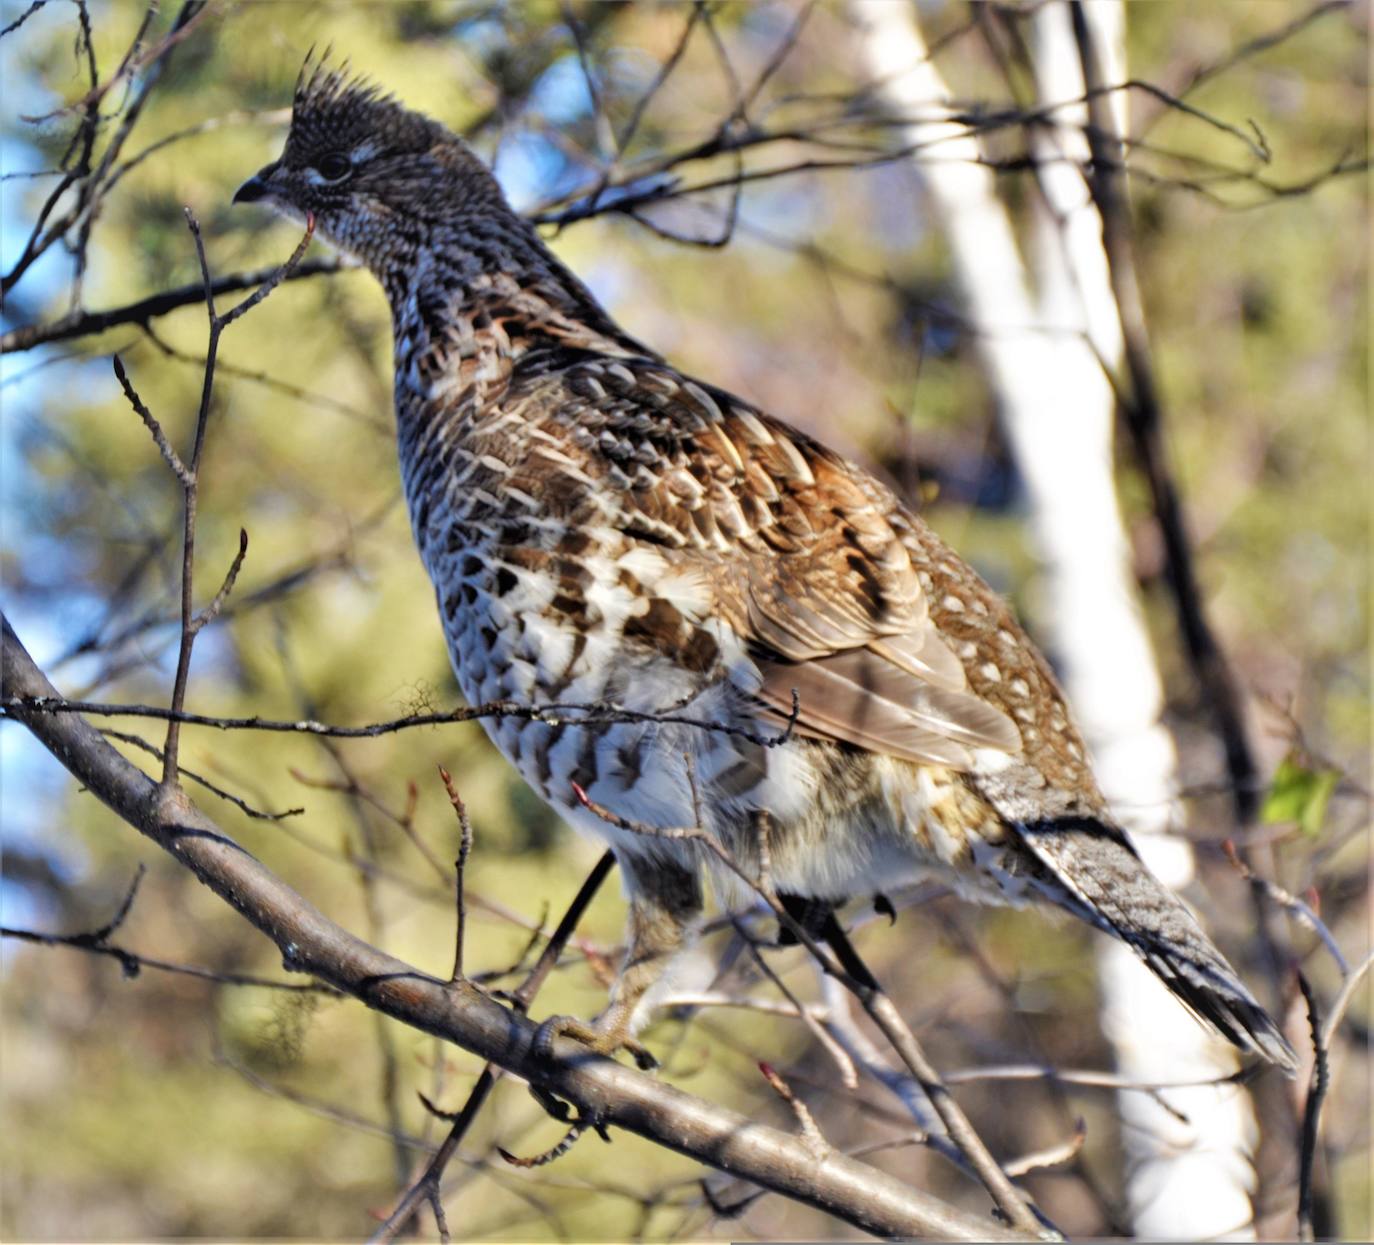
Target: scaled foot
x=607 y=1035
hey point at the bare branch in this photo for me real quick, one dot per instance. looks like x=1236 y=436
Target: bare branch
x=849 y=1076
x=169 y=455
x=88 y=323
x=281 y=274
x=1051 y=1156
x=1342 y=1002
x=851 y=972
x=621 y=1096
x=665 y=71
x=553 y=714
x=1299 y=910
x=93 y=180
x=191 y=14
x=1263 y=43
x=211 y=611
x=239 y=802
x=132 y=963
x=811 y=1134
x=459 y=868
x=322 y=401
x=23 y=17
x=97 y=942
x=326 y=1110
x=192 y=623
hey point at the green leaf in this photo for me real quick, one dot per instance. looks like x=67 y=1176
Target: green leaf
x=1299 y=794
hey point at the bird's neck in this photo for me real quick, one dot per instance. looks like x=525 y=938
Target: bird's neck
x=474 y=295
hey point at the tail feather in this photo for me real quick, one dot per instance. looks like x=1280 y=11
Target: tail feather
x=1092 y=870
x=1210 y=989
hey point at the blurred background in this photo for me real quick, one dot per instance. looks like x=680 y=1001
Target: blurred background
x=168 y=1105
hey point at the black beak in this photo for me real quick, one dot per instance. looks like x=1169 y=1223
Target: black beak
x=251 y=191
x=256 y=187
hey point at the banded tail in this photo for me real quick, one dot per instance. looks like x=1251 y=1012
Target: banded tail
x=1104 y=882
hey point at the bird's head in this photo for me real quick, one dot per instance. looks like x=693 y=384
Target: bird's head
x=375 y=176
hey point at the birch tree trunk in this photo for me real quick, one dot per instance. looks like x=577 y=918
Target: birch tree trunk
x=1045 y=343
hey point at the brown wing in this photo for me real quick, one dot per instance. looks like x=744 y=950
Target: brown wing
x=808 y=558
x=862 y=698
x=842 y=620
x=839 y=615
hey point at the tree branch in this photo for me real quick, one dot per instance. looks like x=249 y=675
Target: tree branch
x=552 y=714
x=426 y=1187
x=459 y=1012
x=85 y=323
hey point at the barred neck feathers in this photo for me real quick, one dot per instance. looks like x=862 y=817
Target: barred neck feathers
x=475 y=291
x=470 y=283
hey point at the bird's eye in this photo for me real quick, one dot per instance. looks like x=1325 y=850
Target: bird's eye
x=335 y=166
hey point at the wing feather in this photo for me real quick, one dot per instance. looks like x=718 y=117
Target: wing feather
x=813 y=564
x=862 y=698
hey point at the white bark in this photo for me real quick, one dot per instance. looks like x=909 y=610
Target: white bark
x=1044 y=354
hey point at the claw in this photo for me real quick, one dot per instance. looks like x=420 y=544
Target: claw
x=604 y=1038
x=555 y=1107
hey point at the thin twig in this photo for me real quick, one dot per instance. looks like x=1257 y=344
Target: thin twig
x=316 y=1106
x=23 y=17
x=436 y=1204
x=1342 y=1002
x=665 y=71
x=1012 y=1203
x=459 y=868
x=191 y=14
x=277 y=277
x=811 y=1134
x=1263 y=43
x=192 y=623
x=131 y=963
x=91 y=178
x=553 y=714
x=849 y=1076
x=1323 y=1035
x=238 y=802
x=1051 y=1156
x=322 y=401
x=1093 y=1080
x=211 y=611
x=426 y=1187
x=169 y=455
x=1300 y=911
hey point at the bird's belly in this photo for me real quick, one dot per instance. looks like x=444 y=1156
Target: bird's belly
x=877 y=823
x=840 y=822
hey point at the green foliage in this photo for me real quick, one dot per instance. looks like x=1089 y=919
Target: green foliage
x=1299 y=794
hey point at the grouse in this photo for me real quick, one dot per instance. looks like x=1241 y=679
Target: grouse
x=602 y=529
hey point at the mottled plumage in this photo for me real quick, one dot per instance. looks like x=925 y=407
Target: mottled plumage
x=601 y=528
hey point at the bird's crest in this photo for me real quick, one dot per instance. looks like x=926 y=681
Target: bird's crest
x=322 y=84
x=334 y=107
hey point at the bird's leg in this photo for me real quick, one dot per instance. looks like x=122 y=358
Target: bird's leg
x=665 y=902
x=608 y=1033
x=810 y=914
